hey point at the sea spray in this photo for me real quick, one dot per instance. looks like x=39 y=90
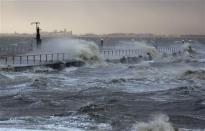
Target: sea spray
x=188 y=50
x=73 y=48
x=159 y=122
x=89 y=52
x=140 y=46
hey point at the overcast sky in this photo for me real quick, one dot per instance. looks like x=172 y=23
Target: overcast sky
x=105 y=16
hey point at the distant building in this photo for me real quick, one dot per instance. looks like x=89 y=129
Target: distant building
x=56 y=33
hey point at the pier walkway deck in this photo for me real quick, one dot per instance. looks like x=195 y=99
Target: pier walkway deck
x=31 y=60
x=19 y=62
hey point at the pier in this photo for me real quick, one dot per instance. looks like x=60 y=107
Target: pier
x=59 y=60
x=112 y=53
x=27 y=55
x=53 y=60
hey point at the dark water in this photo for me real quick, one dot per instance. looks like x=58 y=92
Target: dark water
x=165 y=94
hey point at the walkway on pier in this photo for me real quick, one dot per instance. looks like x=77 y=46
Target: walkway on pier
x=112 y=53
x=52 y=58
x=33 y=59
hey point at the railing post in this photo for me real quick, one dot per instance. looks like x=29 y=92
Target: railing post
x=13 y=60
x=6 y=60
x=57 y=56
x=40 y=58
x=52 y=57
x=63 y=57
x=20 y=60
x=46 y=57
x=27 y=59
x=34 y=61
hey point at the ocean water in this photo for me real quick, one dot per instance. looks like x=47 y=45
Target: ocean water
x=166 y=93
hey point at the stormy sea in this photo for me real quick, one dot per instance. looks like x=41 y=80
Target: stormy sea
x=162 y=89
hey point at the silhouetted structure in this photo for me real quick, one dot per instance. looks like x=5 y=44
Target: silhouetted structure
x=38 y=36
x=101 y=42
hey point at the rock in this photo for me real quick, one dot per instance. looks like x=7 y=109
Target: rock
x=40 y=82
x=90 y=108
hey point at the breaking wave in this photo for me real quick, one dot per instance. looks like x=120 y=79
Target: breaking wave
x=194 y=74
x=90 y=53
x=75 y=48
x=159 y=123
x=184 y=51
x=142 y=46
x=188 y=50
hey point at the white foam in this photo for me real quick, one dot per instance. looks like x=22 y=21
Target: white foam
x=74 y=48
x=141 y=46
x=159 y=123
x=57 y=129
x=15 y=129
x=182 y=129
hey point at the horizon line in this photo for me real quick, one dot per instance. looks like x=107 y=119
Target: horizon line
x=101 y=34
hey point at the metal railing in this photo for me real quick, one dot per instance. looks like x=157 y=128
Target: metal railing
x=115 y=53
x=42 y=59
x=37 y=59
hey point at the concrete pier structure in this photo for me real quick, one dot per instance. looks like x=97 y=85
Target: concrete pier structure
x=23 y=62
